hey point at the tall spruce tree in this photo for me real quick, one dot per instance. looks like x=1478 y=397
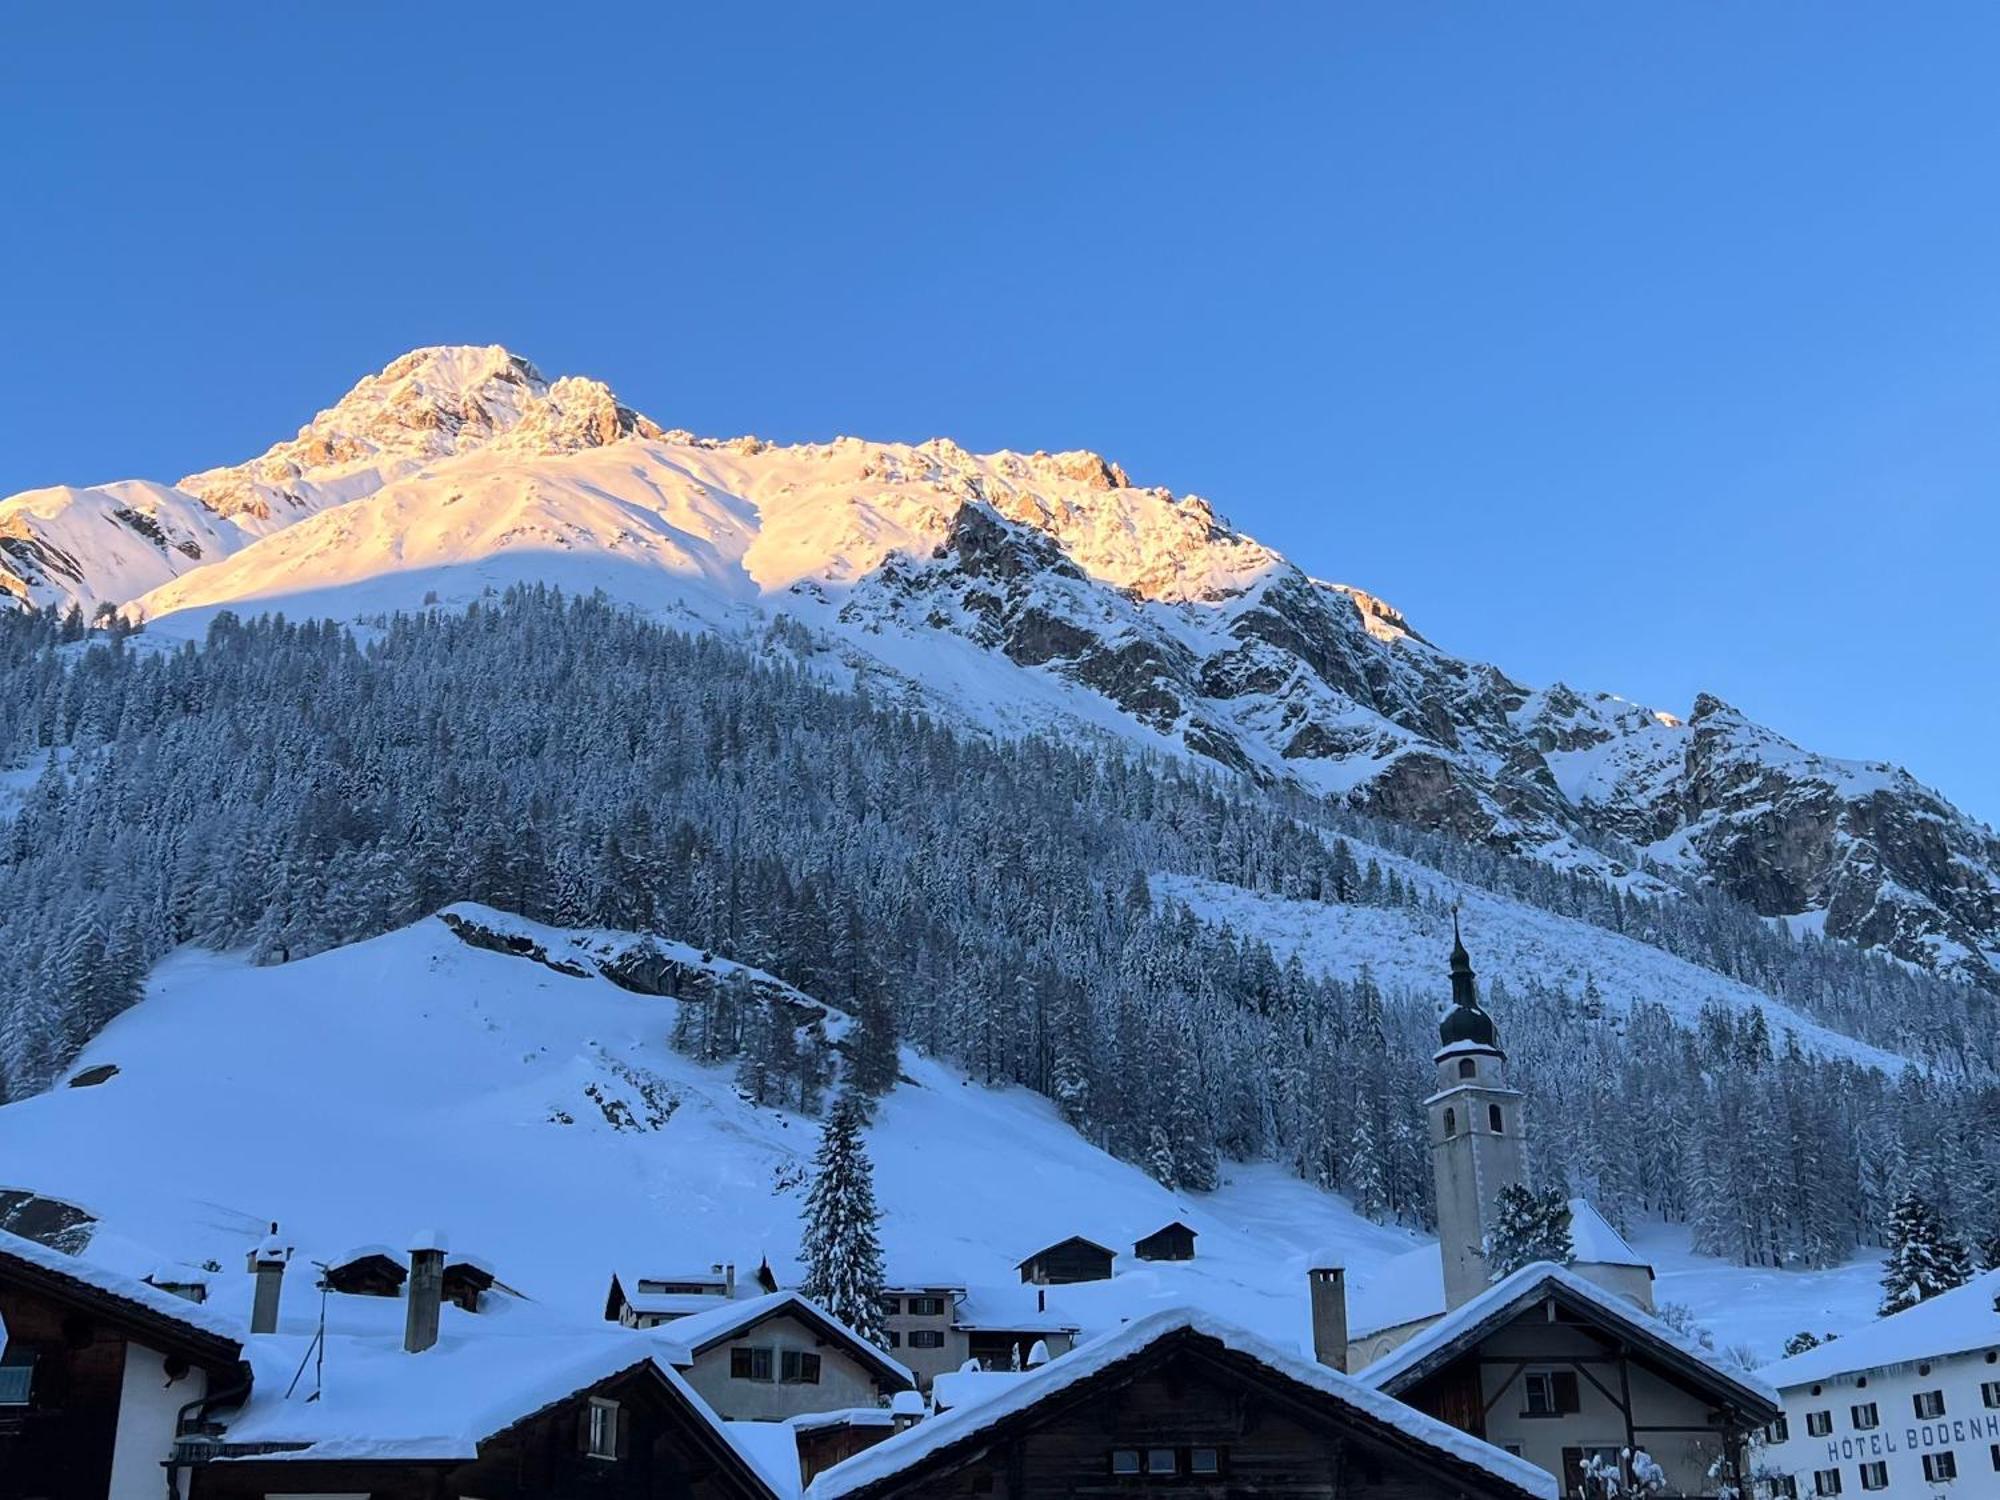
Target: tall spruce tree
x=1923 y=1257
x=839 y=1242
x=1527 y=1227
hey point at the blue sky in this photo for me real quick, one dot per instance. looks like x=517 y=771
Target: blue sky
x=1649 y=348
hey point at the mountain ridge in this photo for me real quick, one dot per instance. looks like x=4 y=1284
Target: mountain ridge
x=1038 y=590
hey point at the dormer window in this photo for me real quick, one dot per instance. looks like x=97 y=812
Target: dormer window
x=1467 y=1068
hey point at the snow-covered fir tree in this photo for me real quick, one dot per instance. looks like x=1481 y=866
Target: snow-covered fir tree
x=1527 y=1226
x=1924 y=1258
x=838 y=1240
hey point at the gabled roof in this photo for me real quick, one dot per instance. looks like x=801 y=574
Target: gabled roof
x=1594 y=1241
x=699 y=1332
x=1954 y=1322
x=1074 y=1239
x=1169 y=1225
x=969 y=1427
x=1465 y=1326
x=156 y=1318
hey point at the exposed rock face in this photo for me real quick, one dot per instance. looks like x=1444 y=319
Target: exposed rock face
x=1074 y=597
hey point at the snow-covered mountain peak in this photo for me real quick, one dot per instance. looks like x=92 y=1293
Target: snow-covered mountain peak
x=428 y=405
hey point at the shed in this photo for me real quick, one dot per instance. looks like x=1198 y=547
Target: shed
x=371 y=1271
x=1073 y=1259
x=1173 y=1241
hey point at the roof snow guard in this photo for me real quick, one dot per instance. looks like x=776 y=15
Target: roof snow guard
x=967 y=1428
x=1462 y=1328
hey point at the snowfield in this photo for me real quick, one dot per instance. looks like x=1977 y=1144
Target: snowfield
x=414 y=1081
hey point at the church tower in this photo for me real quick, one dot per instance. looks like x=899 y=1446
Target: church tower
x=1475 y=1122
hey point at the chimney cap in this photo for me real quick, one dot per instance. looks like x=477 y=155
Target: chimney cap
x=429 y=1239
x=272 y=1249
x=1328 y=1260
x=907 y=1404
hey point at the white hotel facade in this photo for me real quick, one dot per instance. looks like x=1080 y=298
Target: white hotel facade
x=1907 y=1408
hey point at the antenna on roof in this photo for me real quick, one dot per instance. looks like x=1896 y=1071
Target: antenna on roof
x=316 y=1350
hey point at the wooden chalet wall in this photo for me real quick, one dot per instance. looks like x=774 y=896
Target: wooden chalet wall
x=60 y=1446
x=1072 y=1260
x=666 y=1452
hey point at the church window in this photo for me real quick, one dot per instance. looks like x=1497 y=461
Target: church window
x=1467 y=1068
x=1493 y=1119
x=1450 y=1123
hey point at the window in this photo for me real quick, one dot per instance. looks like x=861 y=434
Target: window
x=1928 y=1403
x=926 y=1338
x=799 y=1368
x=749 y=1364
x=1494 y=1121
x=601 y=1432
x=1783 y=1487
x=1826 y=1481
x=895 y=1339
x=1125 y=1461
x=1450 y=1123
x=1204 y=1460
x=1865 y=1416
x=926 y=1307
x=1779 y=1431
x=1996 y=1458
x=1551 y=1393
x=1819 y=1423
x=1467 y=1068
x=1938 y=1467
x=1990 y=1393
x=1875 y=1476
x=891 y=1306
x=1162 y=1461
x=15 y=1383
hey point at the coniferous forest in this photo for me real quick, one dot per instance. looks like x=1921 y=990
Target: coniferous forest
x=285 y=788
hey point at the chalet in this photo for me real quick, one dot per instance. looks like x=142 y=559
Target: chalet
x=642 y=1301
x=95 y=1371
x=1553 y=1367
x=1070 y=1260
x=779 y=1356
x=1180 y=1402
x=1904 y=1407
x=1173 y=1241
x=545 y=1419
x=935 y=1327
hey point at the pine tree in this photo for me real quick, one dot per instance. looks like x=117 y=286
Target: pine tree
x=1923 y=1257
x=839 y=1243
x=1528 y=1226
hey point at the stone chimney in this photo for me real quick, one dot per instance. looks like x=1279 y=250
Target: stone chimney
x=424 y=1291
x=906 y=1409
x=729 y=1279
x=1328 y=1285
x=267 y=1264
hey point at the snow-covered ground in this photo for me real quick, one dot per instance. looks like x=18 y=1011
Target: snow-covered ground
x=414 y=1081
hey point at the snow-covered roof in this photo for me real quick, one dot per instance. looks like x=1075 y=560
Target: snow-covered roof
x=1404 y=1289
x=956 y=1388
x=196 y=1317
x=689 y=1336
x=1507 y=1298
x=887 y=1459
x=1068 y=1239
x=772 y=1449
x=1593 y=1240
x=1953 y=1322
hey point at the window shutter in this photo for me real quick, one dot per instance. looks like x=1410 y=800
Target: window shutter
x=583 y=1428
x=621 y=1430
x=1568 y=1397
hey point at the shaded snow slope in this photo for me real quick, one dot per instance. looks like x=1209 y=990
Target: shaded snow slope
x=414 y=1080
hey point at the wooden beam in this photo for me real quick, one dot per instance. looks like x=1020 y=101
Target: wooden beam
x=1505 y=1386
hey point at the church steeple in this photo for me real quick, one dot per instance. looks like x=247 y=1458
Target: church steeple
x=1465 y=1022
x=1475 y=1131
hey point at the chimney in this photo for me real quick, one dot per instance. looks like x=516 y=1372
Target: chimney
x=729 y=1279
x=906 y=1409
x=1328 y=1284
x=267 y=1263
x=424 y=1291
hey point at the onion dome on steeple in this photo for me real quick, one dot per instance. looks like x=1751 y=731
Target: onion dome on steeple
x=1465 y=1022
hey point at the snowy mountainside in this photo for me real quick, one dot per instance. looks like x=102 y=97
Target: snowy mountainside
x=420 y=1079
x=1016 y=591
